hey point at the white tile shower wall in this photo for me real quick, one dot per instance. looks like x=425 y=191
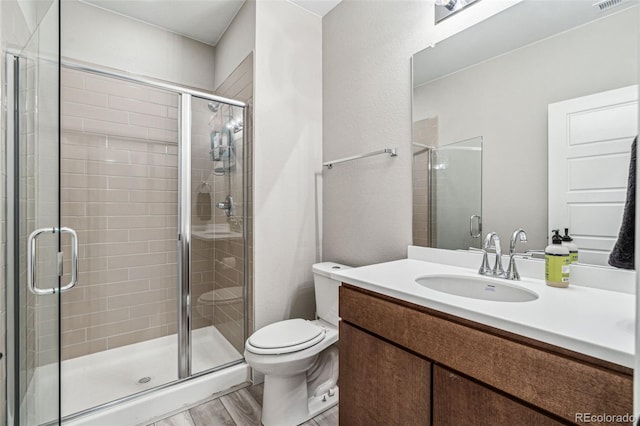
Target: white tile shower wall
x=119 y=191
x=425 y=132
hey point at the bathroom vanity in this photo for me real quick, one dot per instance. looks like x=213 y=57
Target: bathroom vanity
x=410 y=355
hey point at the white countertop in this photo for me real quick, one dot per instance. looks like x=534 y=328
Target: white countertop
x=592 y=321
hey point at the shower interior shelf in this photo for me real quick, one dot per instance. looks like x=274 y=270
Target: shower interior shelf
x=393 y=152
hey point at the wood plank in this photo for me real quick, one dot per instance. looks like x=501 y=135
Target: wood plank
x=211 y=413
x=554 y=382
x=257 y=392
x=328 y=418
x=381 y=384
x=181 y=419
x=242 y=407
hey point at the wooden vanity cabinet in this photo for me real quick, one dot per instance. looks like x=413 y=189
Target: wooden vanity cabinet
x=462 y=402
x=385 y=384
x=402 y=363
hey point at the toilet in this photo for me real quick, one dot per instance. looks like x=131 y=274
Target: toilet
x=299 y=358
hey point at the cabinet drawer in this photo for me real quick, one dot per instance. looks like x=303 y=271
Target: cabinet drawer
x=551 y=381
x=462 y=402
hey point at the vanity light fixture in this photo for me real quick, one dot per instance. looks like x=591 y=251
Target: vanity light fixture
x=451 y=4
x=446 y=8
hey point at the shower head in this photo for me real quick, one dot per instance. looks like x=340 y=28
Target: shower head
x=213 y=106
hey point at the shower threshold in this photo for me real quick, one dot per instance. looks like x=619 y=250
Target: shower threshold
x=96 y=379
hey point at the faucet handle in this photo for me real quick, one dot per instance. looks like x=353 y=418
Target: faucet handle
x=498 y=270
x=512 y=270
x=492 y=240
x=485 y=269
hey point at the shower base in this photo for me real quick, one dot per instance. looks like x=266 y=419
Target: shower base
x=106 y=376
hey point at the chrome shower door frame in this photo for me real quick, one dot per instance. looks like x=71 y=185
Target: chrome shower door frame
x=185 y=210
x=184 y=238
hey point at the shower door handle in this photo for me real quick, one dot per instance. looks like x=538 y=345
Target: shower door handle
x=475 y=234
x=32 y=260
x=74 y=259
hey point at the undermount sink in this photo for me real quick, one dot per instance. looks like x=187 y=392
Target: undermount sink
x=477 y=288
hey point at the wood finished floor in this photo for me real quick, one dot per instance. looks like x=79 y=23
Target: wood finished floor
x=239 y=408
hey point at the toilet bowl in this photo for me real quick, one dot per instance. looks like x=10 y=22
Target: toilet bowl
x=299 y=358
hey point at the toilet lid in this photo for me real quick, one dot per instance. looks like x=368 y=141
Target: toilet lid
x=222 y=295
x=286 y=336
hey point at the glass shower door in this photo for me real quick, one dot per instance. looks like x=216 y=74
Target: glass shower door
x=455 y=195
x=33 y=226
x=217 y=324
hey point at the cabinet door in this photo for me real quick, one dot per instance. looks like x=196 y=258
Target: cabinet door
x=459 y=401
x=381 y=384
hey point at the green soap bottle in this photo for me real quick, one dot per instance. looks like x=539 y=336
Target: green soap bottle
x=567 y=241
x=557 y=261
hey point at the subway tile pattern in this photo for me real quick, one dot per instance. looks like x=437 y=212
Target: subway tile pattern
x=242 y=408
x=218 y=265
x=239 y=85
x=426 y=133
x=106 y=106
x=119 y=189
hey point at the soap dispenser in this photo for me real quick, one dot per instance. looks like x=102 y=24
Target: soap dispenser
x=567 y=241
x=557 y=262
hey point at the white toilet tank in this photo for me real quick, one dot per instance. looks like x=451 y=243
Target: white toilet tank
x=327 y=290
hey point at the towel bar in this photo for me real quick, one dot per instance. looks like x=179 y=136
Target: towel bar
x=393 y=152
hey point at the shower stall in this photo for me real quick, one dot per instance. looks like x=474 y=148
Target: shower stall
x=125 y=236
x=447 y=191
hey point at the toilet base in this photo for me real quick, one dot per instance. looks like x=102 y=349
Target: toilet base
x=286 y=404
x=322 y=403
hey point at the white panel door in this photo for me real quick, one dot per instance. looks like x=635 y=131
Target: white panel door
x=589 y=150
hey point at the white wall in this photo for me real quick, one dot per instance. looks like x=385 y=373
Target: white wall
x=103 y=38
x=367 y=49
x=15 y=26
x=287 y=155
x=236 y=43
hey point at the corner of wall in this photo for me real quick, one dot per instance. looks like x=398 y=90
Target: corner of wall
x=237 y=42
x=288 y=156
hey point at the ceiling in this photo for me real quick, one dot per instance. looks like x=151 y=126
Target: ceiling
x=202 y=20
x=521 y=24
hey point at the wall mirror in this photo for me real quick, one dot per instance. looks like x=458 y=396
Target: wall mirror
x=550 y=89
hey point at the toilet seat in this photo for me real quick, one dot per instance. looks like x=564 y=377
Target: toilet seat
x=285 y=337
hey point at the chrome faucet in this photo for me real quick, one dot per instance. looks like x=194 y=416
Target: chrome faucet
x=492 y=240
x=512 y=271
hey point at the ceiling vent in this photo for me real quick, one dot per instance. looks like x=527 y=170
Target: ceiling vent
x=607 y=4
